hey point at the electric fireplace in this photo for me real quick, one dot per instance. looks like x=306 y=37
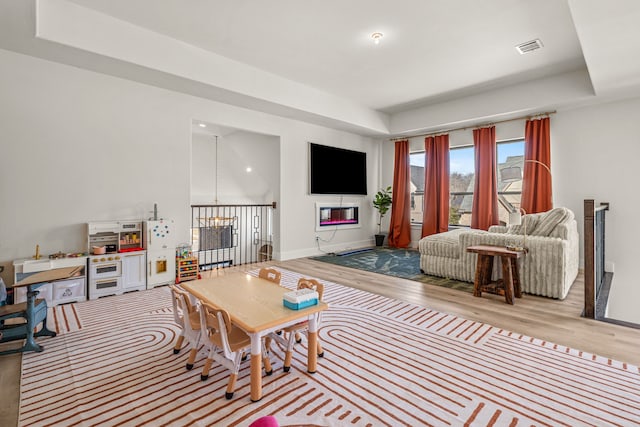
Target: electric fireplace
x=345 y=215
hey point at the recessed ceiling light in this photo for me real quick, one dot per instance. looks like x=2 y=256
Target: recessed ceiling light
x=202 y=125
x=248 y=169
x=376 y=37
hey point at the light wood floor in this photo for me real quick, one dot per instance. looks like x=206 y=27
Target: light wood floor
x=552 y=320
x=555 y=321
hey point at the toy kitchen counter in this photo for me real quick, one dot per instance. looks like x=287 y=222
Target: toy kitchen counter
x=60 y=292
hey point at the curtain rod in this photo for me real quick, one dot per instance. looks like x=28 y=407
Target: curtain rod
x=473 y=126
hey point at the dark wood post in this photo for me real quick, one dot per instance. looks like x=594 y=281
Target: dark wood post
x=589 y=259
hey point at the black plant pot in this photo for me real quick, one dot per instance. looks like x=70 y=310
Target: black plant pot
x=379 y=239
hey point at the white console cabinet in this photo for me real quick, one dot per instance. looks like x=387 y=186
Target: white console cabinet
x=64 y=291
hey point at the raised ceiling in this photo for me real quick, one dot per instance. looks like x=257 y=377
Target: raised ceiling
x=315 y=61
x=429 y=48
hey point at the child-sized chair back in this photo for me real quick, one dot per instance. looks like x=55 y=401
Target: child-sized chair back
x=186 y=315
x=220 y=334
x=216 y=325
x=311 y=284
x=183 y=307
x=270 y=274
x=178 y=314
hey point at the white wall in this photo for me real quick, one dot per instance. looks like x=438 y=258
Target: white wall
x=80 y=146
x=203 y=170
x=595 y=152
x=236 y=152
x=498 y=104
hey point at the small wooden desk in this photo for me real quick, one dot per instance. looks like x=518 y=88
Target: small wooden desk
x=509 y=285
x=255 y=306
x=32 y=283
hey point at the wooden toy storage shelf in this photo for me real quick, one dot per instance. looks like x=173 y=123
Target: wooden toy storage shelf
x=187 y=269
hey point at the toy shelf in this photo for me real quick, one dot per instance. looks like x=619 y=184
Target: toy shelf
x=187 y=269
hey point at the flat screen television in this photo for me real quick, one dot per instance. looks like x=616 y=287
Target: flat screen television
x=337 y=170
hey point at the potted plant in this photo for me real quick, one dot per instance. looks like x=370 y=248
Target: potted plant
x=382 y=202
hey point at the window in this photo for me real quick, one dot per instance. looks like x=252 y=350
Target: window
x=461 y=182
x=416 y=160
x=510 y=168
x=510 y=155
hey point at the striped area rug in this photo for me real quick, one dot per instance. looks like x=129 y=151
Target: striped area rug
x=387 y=363
x=63 y=318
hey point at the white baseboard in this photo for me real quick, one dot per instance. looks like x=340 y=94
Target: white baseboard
x=608 y=266
x=325 y=248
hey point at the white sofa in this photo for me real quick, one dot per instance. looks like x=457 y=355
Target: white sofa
x=548 y=269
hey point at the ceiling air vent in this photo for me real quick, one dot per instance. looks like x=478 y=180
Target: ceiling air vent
x=529 y=46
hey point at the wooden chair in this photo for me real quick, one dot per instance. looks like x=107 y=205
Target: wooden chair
x=270 y=274
x=226 y=342
x=186 y=315
x=292 y=333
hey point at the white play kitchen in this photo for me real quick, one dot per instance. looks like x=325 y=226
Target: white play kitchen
x=121 y=256
x=117 y=261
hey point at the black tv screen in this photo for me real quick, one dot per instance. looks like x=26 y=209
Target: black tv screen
x=337 y=171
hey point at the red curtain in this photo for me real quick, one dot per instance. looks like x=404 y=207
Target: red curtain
x=485 y=193
x=536 y=179
x=435 y=217
x=400 y=228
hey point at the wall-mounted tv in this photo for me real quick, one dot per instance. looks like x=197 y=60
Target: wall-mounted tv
x=337 y=170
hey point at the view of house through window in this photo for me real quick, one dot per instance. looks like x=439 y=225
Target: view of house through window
x=510 y=169
x=510 y=157
x=417 y=185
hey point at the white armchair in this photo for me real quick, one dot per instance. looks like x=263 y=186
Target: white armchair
x=548 y=269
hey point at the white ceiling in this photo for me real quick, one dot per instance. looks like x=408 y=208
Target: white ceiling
x=430 y=48
x=319 y=55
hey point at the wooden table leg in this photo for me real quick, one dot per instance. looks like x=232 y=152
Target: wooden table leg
x=477 y=285
x=256 y=367
x=484 y=267
x=517 y=291
x=312 y=343
x=507 y=279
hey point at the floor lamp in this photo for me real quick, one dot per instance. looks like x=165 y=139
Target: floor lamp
x=517 y=217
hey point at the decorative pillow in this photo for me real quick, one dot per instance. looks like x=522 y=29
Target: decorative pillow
x=531 y=221
x=549 y=220
x=516 y=229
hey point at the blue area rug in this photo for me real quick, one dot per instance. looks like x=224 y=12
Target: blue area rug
x=404 y=263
